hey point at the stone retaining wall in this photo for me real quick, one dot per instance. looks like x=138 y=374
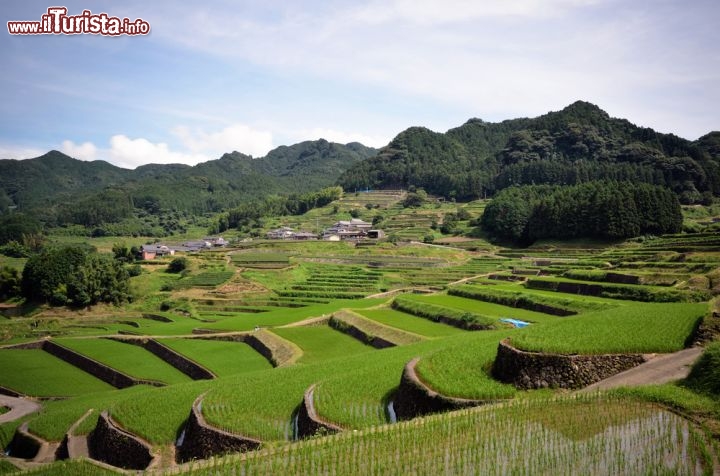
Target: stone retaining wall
x=532 y=370
x=156 y=317
x=9 y=392
x=308 y=421
x=111 y=444
x=190 y=368
x=38 y=344
x=413 y=398
x=277 y=357
x=201 y=441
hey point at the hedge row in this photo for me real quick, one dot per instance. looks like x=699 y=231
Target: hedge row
x=454 y=317
x=619 y=291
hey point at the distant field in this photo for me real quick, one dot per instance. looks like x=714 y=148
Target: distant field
x=283 y=316
x=37 y=373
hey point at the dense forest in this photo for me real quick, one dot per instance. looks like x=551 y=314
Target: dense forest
x=74 y=275
x=579 y=144
x=610 y=210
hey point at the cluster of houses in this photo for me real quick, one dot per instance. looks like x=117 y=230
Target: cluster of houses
x=350 y=230
x=149 y=252
x=354 y=229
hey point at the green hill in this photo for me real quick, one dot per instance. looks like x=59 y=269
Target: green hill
x=56 y=187
x=578 y=144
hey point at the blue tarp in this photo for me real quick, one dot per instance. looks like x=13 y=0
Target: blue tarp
x=515 y=322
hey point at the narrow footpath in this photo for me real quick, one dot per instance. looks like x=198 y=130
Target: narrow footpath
x=19 y=407
x=658 y=370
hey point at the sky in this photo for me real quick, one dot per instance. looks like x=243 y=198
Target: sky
x=250 y=75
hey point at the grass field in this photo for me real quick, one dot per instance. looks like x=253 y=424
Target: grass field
x=37 y=373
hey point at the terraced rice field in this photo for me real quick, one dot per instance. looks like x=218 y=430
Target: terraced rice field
x=320 y=343
x=355 y=383
x=410 y=323
x=577 y=437
x=496 y=311
x=37 y=373
x=220 y=357
x=127 y=358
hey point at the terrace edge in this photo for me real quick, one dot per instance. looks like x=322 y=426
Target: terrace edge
x=533 y=370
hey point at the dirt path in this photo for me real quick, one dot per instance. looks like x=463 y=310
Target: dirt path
x=658 y=370
x=19 y=407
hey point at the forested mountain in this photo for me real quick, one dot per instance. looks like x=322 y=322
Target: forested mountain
x=59 y=189
x=579 y=144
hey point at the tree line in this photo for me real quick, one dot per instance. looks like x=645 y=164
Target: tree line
x=611 y=210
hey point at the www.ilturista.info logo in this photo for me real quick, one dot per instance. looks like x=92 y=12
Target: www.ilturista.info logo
x=57 y=22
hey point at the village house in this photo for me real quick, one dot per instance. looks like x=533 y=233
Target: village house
x=150 y=252
x=354 y=229
x=304 y=235
x=282 y=233
x=215 y=240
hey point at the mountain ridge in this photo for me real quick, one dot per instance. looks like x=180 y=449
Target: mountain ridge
x=581 y=142
x=217 y=184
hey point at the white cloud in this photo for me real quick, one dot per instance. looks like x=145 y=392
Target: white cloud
x=84 y=151
x=197 y=146
x=19 y=152
x=237 y=137
x=131 y=153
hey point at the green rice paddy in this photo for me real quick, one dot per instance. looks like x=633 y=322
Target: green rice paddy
x=127 y=358
x=223 y=358
x=37 y=373
x=410 y=323
x=321 y=342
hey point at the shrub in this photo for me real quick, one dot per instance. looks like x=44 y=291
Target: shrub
x=135 y=270
x=177 y=265
x=704 y=376
x=453 y=317
x=9 y=283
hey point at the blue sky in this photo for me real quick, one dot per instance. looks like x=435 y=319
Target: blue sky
x=217 y=76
